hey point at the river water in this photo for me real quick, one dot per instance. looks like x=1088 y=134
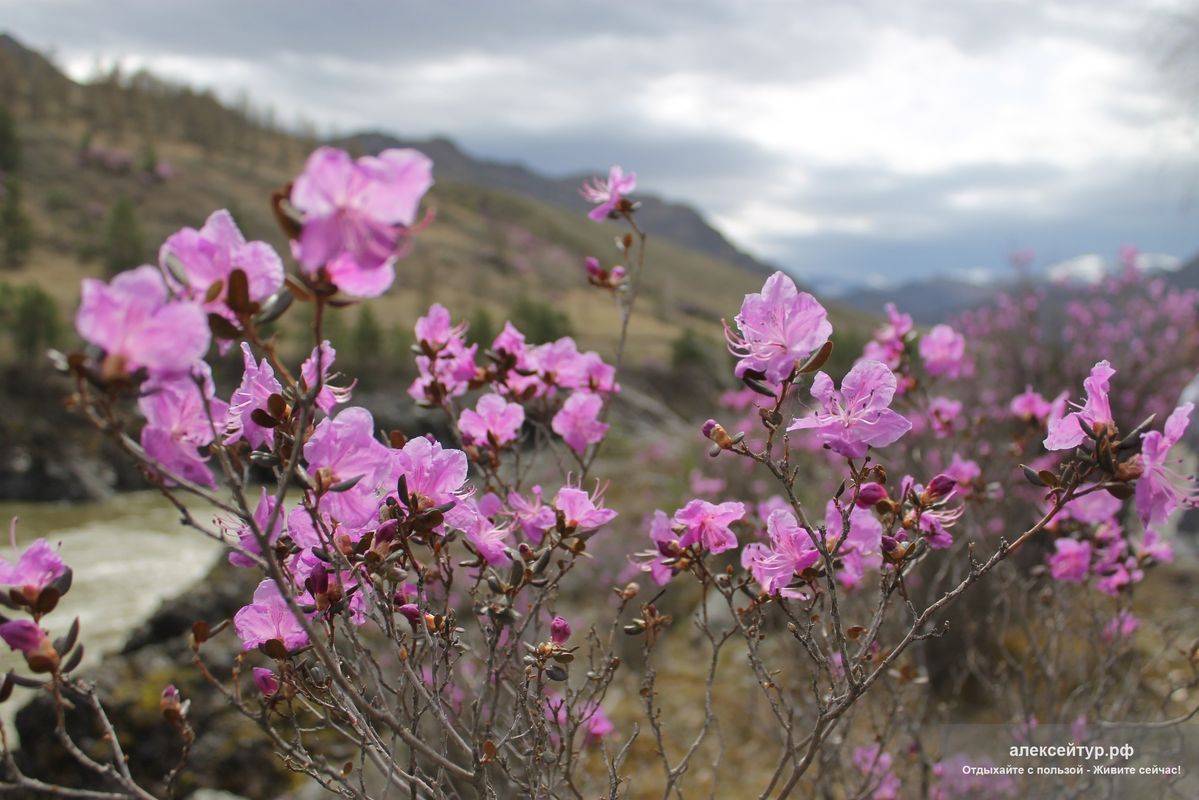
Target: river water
x=128 y=554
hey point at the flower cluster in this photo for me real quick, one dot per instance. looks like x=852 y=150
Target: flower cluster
x=575 y=384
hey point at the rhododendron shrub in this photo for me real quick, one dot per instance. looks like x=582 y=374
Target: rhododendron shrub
x=425 y=611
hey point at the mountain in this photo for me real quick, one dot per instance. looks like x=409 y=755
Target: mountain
x=677 y=222
x=928 y=301
x=933 y=300
x=504 y=239
x=1186 y=276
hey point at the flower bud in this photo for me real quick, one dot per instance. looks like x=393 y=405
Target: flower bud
x=870 y=494
x=387 y=531
x=318 y=580
x=411 y=613
x=938 y=488
x=171 y=705
x=616 y=275
x=559 y=630
x=592 y=265
x=266 y=681
x=24 y=635
x=715 y=431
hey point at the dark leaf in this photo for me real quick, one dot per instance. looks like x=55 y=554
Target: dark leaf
x=346 y=485
x=1123 y=491
x=287 y=217
x=239 y=293
x=274 y=307
x=222 y=328
x=263 y=419
x=47 y=601
x=74 y=660
x=817 y=359
x=298 y=289
x=273 y=648
x=758 y=387
x=1032 y=476
x=1048 y=478
x=62 y=584
x=63 y=644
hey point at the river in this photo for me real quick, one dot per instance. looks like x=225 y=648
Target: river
x=129 y=553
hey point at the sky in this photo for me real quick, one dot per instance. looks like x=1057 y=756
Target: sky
x=852 y=142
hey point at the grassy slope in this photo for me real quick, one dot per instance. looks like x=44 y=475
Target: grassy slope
x=485 y=248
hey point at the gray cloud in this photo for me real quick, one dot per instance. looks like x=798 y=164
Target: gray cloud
x=565 y=88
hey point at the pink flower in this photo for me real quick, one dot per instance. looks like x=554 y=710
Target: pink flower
x=488 y=539
x=791 y=551
x=778 y=329
x=357 y=214
x=1092 y=508
x=943 y=351
x=267 y=618
x=208 y=256
x=707 y=524
x=872 y=762
x=703 y=485
x=1029 y=406
x=180 y=416
x=447 y=372
x=510 y=341
x=590 y=717
x=608 y=194
x=38 y=567
x=246 y=538
x=344 y=447
x=1121 y=626
x=577 y=422
x=1161 y=489
x=494 y=421
x=596 y=723
x=1117 y=575
x=935 y=523
x=944 y=413
x=258 y=383
x=434 y=475
x=1067 y=432
x=24 y=636
x=1155 y=547
x=889 y=341
x=1072 y=561
x=534 y=517
x=666 y=547
x=580 y=511
x=857 y=417
x=435 y=330
x=319 y=366
x=863 y=541
x=133 y=322
x=964 y=471
x=559 y=630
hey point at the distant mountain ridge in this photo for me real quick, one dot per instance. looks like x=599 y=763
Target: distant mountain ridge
x=677 y=222
x=936 y=299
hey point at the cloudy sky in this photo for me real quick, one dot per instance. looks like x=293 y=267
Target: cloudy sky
x=863 y=140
